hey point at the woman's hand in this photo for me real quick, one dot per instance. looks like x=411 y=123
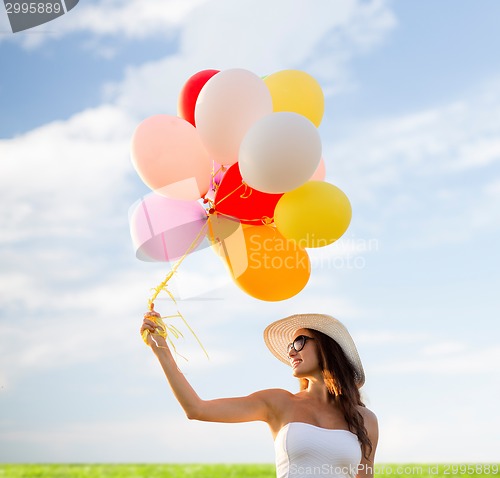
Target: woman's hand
x=154 y=339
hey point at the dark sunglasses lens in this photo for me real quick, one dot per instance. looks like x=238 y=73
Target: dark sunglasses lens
x=299 y=342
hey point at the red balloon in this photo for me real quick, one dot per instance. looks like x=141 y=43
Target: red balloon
x=236 y=199
x=189 y=94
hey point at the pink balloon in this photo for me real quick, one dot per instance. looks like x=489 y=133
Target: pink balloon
x=229 y=103
x=320 y=173
x=164 y=229
x=169 y=156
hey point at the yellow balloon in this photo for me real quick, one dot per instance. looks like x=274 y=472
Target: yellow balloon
x=298 y=92
x=314 y=215
x=267 y=266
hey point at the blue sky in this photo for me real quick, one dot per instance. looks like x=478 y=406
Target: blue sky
x=411 y=134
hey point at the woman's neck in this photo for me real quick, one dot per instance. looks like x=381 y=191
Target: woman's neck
x=316 y=389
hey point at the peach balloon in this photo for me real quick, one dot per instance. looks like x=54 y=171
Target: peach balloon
x=169 y=157
x=229 y=103
x=320 y=173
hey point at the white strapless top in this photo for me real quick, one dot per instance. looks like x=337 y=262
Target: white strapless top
x=305 y=450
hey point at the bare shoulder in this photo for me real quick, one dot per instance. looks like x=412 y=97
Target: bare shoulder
x=371 y=425
x=370 y=419
x=366 y=413
x=274 y=395
x=277 y=401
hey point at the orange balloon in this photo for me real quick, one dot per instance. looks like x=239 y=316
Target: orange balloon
x=266 y=265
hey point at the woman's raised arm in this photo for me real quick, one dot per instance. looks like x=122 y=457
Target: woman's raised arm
x=259 y=406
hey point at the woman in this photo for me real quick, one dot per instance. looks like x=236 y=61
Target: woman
x=324 y=429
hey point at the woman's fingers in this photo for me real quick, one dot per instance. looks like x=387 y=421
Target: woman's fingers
x=150 y=325
x=152 y=313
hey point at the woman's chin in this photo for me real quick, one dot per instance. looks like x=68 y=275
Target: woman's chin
x=297 y=373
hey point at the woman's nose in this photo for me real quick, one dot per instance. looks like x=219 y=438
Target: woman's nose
x=291 y=352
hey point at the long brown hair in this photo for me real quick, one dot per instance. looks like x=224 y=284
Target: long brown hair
x=338 y=375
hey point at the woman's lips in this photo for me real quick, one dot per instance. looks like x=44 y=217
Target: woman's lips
x=295 y=362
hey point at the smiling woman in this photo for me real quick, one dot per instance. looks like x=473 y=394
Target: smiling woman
x=324 y=429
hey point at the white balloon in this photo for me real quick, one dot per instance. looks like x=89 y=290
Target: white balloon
x=280 y=152
x=228 y=104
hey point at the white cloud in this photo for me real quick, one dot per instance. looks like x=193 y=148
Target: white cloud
x=407 y=437
x=129 y=19
x=441 y=141
x=239 y=35
x=258 y=32
x=390 y=337
x=417 y=170
x=443 y=348
x=65 y=189
x=61 y=327
x=479 y=153
x=441 y=359
x=492 y=189
x=348 y=253
x=290 y=34
x=60 y=179
x=154 y=435
x=97 y=321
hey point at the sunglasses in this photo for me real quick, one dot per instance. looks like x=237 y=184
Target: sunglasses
x=298 y=343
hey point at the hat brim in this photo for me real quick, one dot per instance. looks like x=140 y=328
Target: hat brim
x=279 y=334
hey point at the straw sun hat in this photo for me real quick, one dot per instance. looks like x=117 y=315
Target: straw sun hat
x=280 y=333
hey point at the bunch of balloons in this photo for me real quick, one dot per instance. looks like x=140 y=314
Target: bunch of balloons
x=240 y=169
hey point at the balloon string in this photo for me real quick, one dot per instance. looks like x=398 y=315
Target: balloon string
x=163 y=287
x=163 y=330
x=264 y=220
x=215 y=187
x=247 y=192
x=230 y=194
x=163 y=284
x=221 y=169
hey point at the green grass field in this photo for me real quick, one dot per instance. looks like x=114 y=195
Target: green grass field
x=231 y=471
